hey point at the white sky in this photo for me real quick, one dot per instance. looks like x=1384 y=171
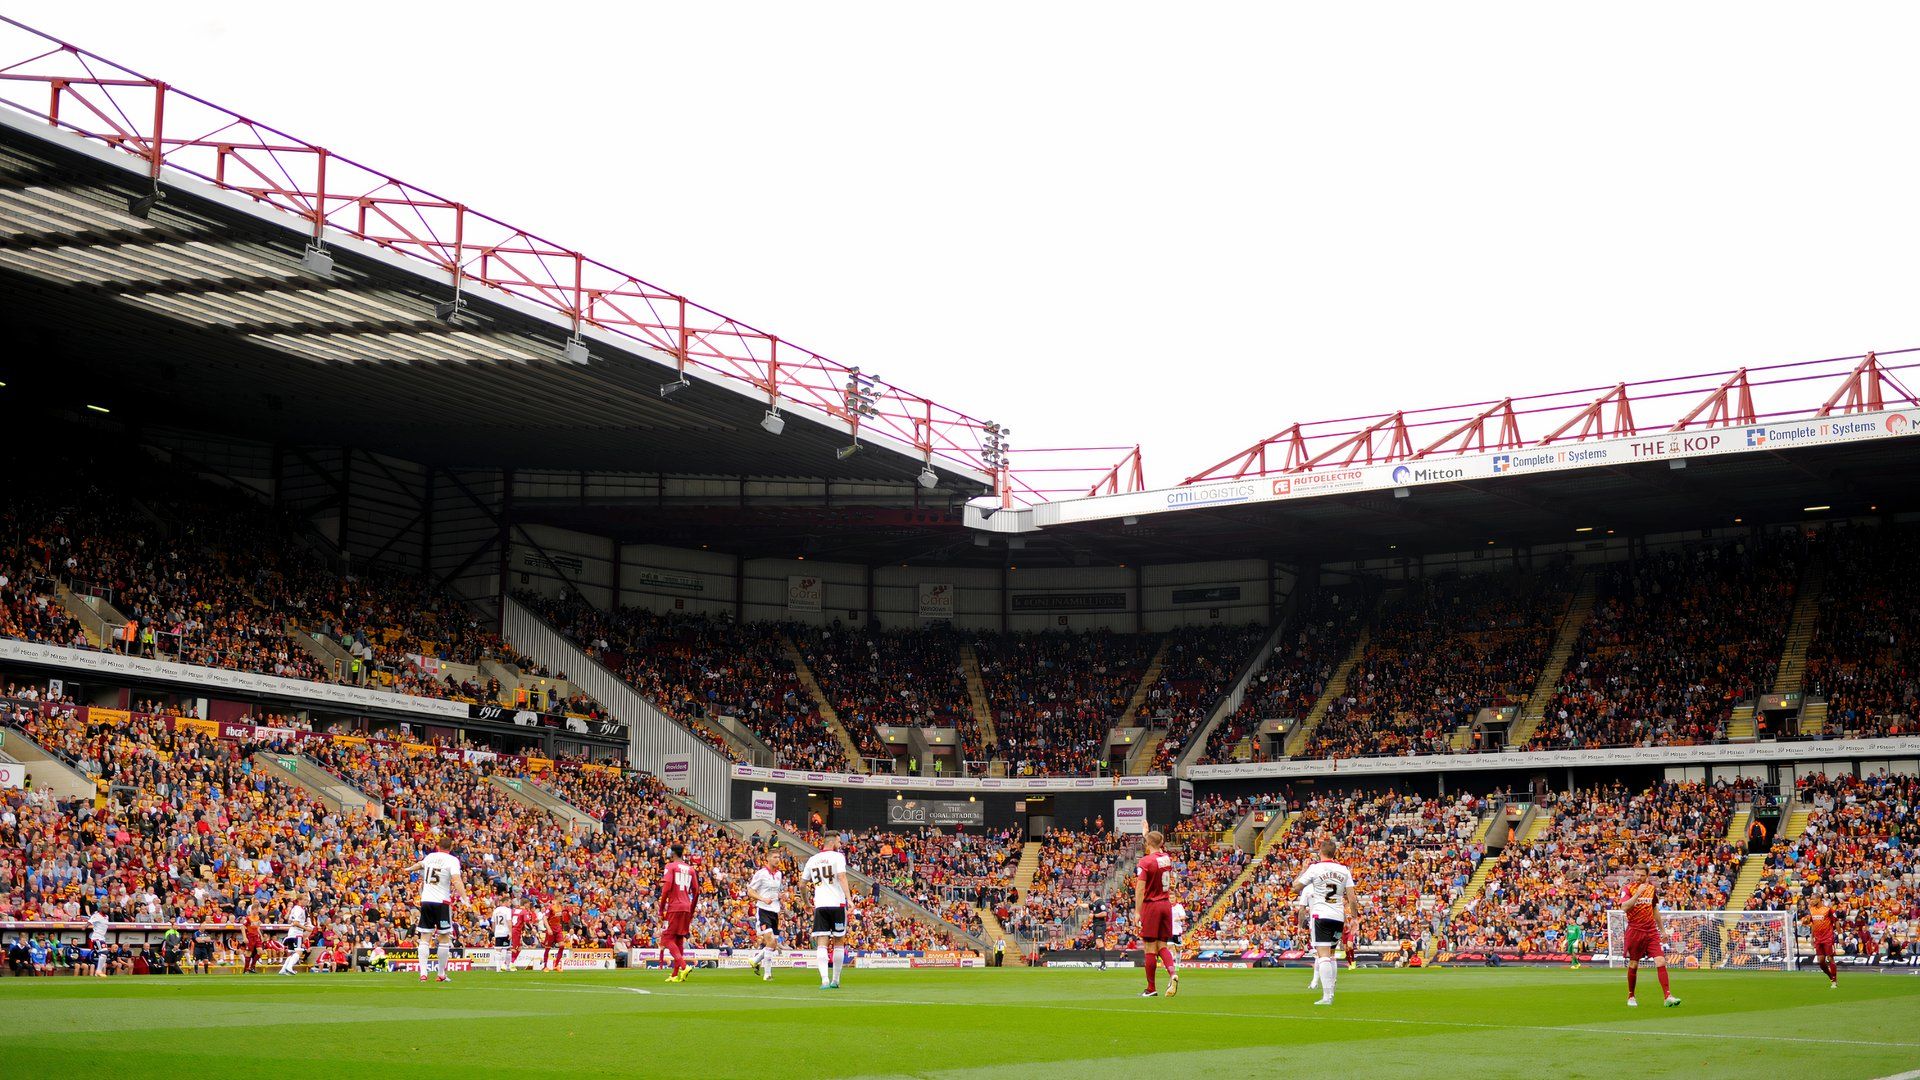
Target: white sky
x=1183 y=225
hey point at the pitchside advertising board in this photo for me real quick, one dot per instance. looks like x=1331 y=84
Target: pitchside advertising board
x=1666 y=446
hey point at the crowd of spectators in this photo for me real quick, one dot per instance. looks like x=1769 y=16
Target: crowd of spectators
x=1865 y=657
x=1078 y=869
x=900 y=678
x=1411 y=856
x=1296 y=673
x=1576 y=868
x=1055 y=696
x=1438 y=654
x=192 y=830
x=952 y=874
x=1197 y=669
x=1859 y=851
x=1675 y=641
x=696 y=667
x=207 y=576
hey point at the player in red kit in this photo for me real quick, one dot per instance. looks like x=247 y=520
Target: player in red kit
x=251 y=926
x=1643 y=935
x=679 y=887
x=522 y=928
x=554 y=944
x=1820 y=919
x=1153 y=912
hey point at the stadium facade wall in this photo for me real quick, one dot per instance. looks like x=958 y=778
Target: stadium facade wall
x=664 y=579
x=862 y=808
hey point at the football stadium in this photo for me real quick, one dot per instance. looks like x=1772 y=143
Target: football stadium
x=427 y=649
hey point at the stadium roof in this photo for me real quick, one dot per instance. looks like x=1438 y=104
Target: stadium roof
x=197 y=311
x=168 y=222
x=200 y=314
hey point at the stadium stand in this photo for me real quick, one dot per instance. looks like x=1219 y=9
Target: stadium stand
x=1410 y=857
x=692 y=666
x=903 y=678
x=1677 y=639
x=953 y=874
x=1859 y=851
x=1575 y=868
x=1198 y=667
x=190 y=829
x=1056 y=696
x=1440 y=653
x=1297 y=672
x=1078 y=867
x=1862 y=665
x=174 y=568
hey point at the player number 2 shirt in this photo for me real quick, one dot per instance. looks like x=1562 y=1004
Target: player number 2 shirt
x=1324 y=888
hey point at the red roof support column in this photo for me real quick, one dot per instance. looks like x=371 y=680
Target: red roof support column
x=1729 y=404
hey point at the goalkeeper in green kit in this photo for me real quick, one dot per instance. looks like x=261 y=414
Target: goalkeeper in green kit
x=1576 y=940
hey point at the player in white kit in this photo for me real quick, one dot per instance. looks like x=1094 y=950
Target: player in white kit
x=1326 y=891
x=296 y=940
x=97 y=936
x=501 y=921
x=826 y=872
x=440 y=884
x=766 y=886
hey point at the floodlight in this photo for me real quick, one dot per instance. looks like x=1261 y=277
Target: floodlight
x=142 y=205
x=667 y=389
x=317 y=260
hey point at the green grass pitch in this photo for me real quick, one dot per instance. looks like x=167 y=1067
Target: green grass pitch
x=1476 y=1024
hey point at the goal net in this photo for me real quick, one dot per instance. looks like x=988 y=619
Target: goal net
x=1755 y=940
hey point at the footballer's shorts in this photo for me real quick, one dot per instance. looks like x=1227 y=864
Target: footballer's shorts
x=435 y=915
x=1326 y=932
x=830 y=922
x=1643 y=944
x=769 y=921
x=292 y=942
x=501 y=941
x=1823 y=945
x=680 y=923
x=1156 y=921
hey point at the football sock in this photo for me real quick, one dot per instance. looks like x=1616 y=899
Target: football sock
x=826 y=965
x=1662 y=972
x=1633 y=976
x=446 y=954
x=839 y=961
x=1329 y=976
x=1151 y=961
x=1166 y=959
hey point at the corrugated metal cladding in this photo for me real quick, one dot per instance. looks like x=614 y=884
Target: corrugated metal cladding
x=652 y=736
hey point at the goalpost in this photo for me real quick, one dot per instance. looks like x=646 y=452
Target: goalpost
x=1739 y=940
